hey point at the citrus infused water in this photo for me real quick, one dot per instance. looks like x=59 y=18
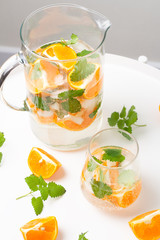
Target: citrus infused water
x=109 y=179
x=64 y=85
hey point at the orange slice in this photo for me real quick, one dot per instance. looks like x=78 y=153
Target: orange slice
x=42 y=163
x=43 y=75
x=146 y=226
x=125 y=196
x=60 y=52
x=40 y=229
x=92 y=84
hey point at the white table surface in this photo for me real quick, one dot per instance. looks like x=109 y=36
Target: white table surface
x=127 y=82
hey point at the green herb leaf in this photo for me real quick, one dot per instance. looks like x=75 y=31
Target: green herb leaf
x=73 y=40
x=2 y=139
x=127 y=178
x=55 y=190
x=82 y=69
x=132 y=108
x=42 y=182
x=123 y=112
x=49 y=44
x=36 y=72
x=37 y=204
x=32 y=182
x=72 y=105
x=132 y=118
x=91 y=115
x=113 y=119
x=82 y=236
x=114 y=155
x=83 y=53
x=1 y=155
x=100 y=189
x=71 y=94
x=41 y=103
x=120 y=123
x=91 y=166
x=44 y=192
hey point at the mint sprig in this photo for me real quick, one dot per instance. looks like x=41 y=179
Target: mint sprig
x=82 y=236
x=124 y=120
x=86 y=52
x=45 y=189
x=73 y=40
x=92 y=164
x=114 y=155
x=91 y=115
x=41 y=103
x=100 y=189
x=82 y=69
x=70 y=94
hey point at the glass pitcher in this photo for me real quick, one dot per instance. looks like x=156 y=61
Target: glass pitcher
x=63 y=56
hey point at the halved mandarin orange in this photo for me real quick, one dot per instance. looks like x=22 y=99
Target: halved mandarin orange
x=125 y=196
x=147 y=225
x=42 y=75
x=92 y=84
x=60 y=52
x=40 y=229
x=42 y=163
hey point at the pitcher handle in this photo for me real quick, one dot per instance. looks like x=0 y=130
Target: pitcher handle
x=13 y=62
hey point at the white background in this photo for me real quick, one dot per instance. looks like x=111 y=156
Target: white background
x=127 y=82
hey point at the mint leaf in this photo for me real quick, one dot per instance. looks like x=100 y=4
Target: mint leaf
x=40 y=103
x=132 y=118
x=36 y=72
x=2 y=139
x=120 y=123
x=37 y=204
x=55 y=190
x=71 y=94
x=72 y=105
x=123 y=112
x=83 y=53
x=1 y=155
x=44 y=192
x=100 y=189
x=91 y=166
x=73 y=40
x=91 y=115
x=114 y=155
x=82 y=236
x=132 y=108
x=127 y=178
x=113 y=119
x=49 y=44
x=32 y=182
x=82 y=69
x=42 y=182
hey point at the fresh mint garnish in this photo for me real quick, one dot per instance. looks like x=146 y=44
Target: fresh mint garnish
x=82 y=69
x=72 y=105
x=92 y=165
x=70 y=94
x=91 y=115
x=86 y=52
x=114 y=155
x=127 y=178
x=125 y=120
x=73 y=40
x=100 y=189
x=41 y=103
x=49 y=44
x=82 y=236
x=45 y=189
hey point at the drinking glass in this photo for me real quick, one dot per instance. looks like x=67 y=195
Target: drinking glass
x=111 y=176
x=63 y=57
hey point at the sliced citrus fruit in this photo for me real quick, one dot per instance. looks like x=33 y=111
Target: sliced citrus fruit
x=43 y=75
x=40 y=229
x=125 y=196
x=146 y=226
x=42 y=163
x=72 y=124
x=60 y=52
x=92 y=84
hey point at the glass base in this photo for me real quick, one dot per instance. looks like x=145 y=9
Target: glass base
x=62 y=139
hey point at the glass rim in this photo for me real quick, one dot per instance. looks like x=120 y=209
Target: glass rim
x=63 y=5
x=117 y=130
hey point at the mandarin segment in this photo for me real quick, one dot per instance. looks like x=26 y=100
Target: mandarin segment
x=40 y=229
x=42 y=163
x=147 y=225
